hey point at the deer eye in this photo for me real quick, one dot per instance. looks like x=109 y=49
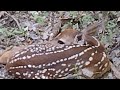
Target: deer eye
x=60 y=42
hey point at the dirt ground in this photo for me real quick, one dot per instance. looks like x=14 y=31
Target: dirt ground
x=27 y=27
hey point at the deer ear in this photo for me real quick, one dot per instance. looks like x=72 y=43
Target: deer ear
x=92 y=29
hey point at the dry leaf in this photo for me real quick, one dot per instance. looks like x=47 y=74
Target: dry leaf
x=55 y=30
x=115 y=71
x=2 y=13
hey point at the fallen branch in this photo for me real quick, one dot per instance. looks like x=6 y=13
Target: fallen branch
x=14 y=20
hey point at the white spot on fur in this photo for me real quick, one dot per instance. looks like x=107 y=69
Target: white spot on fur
x=82 y=62
x=53 y=48
x=60 y=75
x=52 y=69
x=21 y=66
x=17 y=73
x=92 y=54
x=71 y=69
x=48 y=64
x=48 y=73
x=78 y=63
x=24 y=66
x=87 y=49
x=80 y=66
x=29 y=75
x=73 y=46
x=66 y=46
x=80 y=54
x=55 y=51
x=66 y=69
x=50 y=52
x=39 y=66
x=106 y=65
x=33 y=55
x=32 y=72
x=29 y=66
x=65 y=59
x=100 y=67
x=99 y=62
x=33 y=66
x=61 y=60
x=17 y=55
x=37 y=77
x=43 y=77
x=43 y=65
x=69 y=65
x=31 y=50
x=62 y=71
x=90 y=58
x=102 y=59
x=96 y=65
x=28 y=57
x=72 y=57
x=58 y=71
x=24 y=57
x=44 y=70
x=87 y=63
x=78 y=45
x=96 y=51
x=17 y=52
x=63 y=64
x=103 y=69
x=53 y=63
x=36 y=49
x=78 y=60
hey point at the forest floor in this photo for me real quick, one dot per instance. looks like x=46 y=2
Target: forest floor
x=27 y=27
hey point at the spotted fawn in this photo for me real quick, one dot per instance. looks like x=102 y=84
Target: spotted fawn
x=43 y=61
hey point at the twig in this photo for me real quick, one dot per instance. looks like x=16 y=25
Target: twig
x=116 y=46
x=14 y=20
x=115 y=71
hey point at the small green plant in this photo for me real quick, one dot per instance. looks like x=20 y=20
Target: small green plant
x=87 y=19
x=37 y=18
x=107 y=38
x=111 y=24
x=4 y=32
x=73 y=14
x=11 y=32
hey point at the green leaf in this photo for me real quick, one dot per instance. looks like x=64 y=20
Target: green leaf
x=18 y=31
x=3 y=31
x=40 y=20
x=73 y=13
x=103 y=39
x=111 y=24
x=87 y=19
x=46 y=13
x=8 y=33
